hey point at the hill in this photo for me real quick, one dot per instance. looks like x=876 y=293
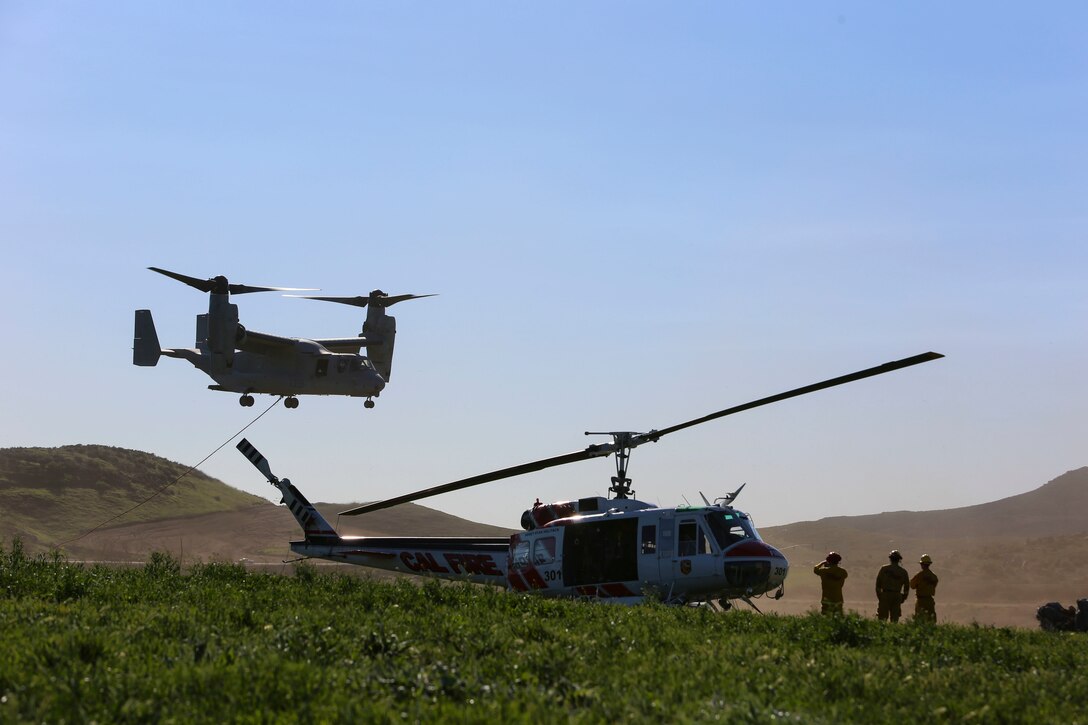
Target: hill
x=997 y=561
x=1057 y=508
x=53 y=494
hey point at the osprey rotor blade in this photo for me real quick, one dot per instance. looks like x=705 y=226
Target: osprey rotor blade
x=376 y=297
x=860 y=375
x=359 y=301
x=204 y=285
x=220 y=285
x=241 y=289
x=590 y=452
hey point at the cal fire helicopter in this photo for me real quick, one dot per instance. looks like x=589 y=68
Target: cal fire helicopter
x=618 y=548
x=247 y=362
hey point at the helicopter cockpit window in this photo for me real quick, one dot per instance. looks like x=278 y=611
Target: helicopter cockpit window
x=544 y=550
x=691 y=540
x=728 y=528
x=356 y=364
x=521 y=555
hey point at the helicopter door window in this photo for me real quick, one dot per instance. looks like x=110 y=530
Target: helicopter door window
x=600 y=551
x=665 y=541
x=521 y=555
x=322 y=368
x=544 y=550
x=689 y=530
x=649 y=539
x=692 y=540
x=341 y=365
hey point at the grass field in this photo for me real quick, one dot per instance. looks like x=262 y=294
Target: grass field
x=218 y=643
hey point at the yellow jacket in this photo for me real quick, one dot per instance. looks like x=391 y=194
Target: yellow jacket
x=925 y=583
x=892 y=578
x=832 y=577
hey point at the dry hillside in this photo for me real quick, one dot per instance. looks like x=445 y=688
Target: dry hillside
x=997 y=561
x=50 y=495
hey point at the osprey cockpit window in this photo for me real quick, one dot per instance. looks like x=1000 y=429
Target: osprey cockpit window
x=728 y=528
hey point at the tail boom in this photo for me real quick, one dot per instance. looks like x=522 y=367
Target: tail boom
x=479 y=560
x=482 y=560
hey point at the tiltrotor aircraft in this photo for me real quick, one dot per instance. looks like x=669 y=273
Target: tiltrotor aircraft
x=247 y=362
x=619 y=548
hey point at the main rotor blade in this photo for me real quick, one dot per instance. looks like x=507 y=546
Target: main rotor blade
x=221 y=286
x=631 y=441
x=363 y=301
x=241 y=289
x=204 y=285
x=861 y=374
x=590 y=452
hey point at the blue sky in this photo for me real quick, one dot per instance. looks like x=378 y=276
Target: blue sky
x=633 y=214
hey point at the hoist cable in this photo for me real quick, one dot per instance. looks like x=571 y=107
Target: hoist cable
x=183 y=475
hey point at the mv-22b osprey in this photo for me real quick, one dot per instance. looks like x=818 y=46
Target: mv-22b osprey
x=619 y=548
x=246 y=361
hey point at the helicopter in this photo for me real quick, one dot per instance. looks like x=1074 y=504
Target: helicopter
x=618 y=549
x=247 y=362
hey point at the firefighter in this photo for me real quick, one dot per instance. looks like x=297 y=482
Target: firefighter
x=832 y=576
x=892 y=588
x=924 y=584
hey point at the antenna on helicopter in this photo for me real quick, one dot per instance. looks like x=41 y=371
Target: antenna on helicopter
x=727 y=499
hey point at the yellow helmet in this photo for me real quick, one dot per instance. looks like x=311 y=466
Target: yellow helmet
x=894 y=554
x=926 y=559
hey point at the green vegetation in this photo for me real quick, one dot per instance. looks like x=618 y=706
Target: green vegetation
x=218 y=643
x=52 y=494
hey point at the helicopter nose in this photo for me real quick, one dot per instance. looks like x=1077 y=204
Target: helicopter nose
x=755 y=567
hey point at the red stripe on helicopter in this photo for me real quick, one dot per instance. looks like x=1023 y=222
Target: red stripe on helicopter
x=533 y=577
x=516 y=581
x=751 y=548
x=604 y=591
x=547 y=513
x=617 y=590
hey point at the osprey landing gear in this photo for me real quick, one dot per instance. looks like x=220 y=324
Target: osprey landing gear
x=246 y=401
x=291 y=402
x=368 y=403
